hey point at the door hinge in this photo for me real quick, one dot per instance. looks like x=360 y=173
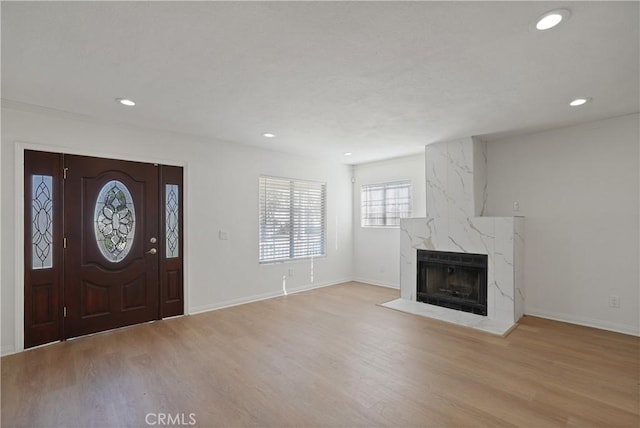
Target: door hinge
x=64 y=173
x=64 y=242
x=64 y=312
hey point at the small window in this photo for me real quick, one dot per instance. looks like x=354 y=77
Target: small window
x=292 y=219
x=385 y=204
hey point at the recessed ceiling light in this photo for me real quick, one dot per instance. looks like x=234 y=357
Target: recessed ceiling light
x=347 y=153
x=268 y=135
x=125 y=102
x=579 y=101
x=552 y=18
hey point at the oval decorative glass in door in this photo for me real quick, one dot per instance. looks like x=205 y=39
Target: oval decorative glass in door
x=114 y=221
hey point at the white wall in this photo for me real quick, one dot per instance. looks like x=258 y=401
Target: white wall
x=578 y=188
x=221 y=193
x=377 y=250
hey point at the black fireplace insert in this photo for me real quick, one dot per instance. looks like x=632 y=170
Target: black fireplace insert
x=453 y=280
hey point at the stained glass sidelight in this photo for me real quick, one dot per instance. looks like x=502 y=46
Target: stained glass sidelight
x=114 y=221
x=41 y=221
x=172 y=220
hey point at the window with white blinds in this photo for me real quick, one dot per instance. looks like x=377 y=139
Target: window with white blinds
x=292 y=219
x=386 y=203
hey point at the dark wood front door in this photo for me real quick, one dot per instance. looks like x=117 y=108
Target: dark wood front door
x=112 y=233
x=103 y=244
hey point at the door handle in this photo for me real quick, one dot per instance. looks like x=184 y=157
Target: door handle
x=152 y=251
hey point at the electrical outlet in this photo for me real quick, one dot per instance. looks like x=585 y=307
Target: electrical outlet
x=614 y=301
x=291 y=272
x=516 y=206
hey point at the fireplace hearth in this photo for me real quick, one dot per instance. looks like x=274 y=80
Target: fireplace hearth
x=453 y=280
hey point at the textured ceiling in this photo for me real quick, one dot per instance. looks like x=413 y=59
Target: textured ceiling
x=377 y=79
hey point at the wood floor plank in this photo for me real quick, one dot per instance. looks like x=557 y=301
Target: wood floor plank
x=327 y=357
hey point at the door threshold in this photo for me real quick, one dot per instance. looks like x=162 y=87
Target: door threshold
x=111 y=330
x=40 y=346
x=173 y=317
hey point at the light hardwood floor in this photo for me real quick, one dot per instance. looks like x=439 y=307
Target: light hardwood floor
x=328 y=357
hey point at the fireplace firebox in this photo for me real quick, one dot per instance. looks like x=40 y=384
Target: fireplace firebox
x=453 y=280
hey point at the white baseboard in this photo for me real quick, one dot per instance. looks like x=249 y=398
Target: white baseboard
x=318 y=285
x=7 y=350
x=258 y=297
x=378 y=283
x=587 y=322
x=234 y=302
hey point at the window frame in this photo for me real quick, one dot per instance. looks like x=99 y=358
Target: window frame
x=385 y=187
x=322 y=189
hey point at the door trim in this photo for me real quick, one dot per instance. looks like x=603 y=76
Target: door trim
x=20 y=147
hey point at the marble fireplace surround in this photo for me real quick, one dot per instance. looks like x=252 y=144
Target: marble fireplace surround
x=456 y=196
